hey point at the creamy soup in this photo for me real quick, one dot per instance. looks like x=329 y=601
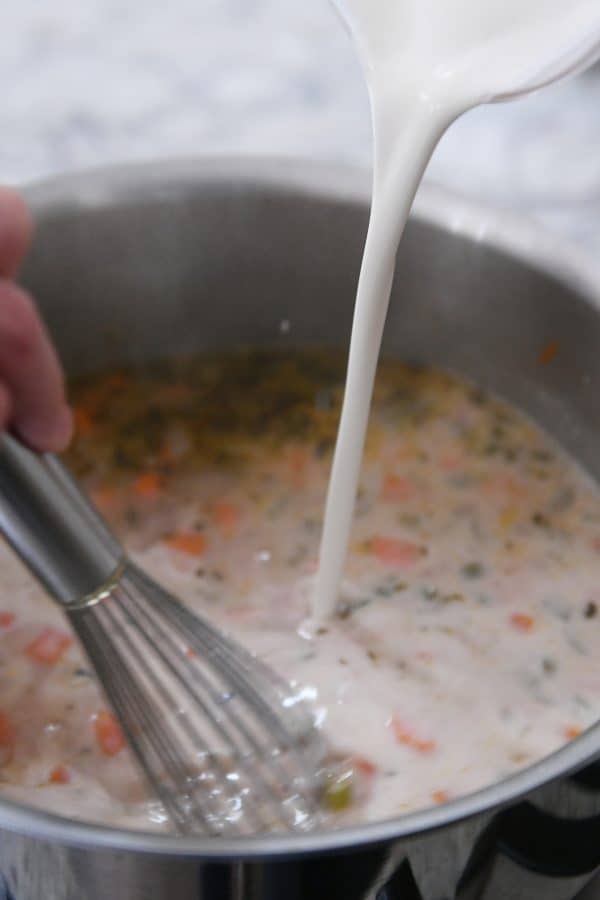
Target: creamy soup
x=465 y=643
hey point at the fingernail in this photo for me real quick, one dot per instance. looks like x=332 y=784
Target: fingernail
x=52 y=436
x=63 y=430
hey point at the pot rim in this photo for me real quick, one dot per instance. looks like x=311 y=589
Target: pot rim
x=438 y=206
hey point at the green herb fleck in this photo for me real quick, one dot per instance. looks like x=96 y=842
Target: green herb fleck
x=540 y=520
x=472 y=570
x=339 y=792
x=410 y=520
x=436 y=596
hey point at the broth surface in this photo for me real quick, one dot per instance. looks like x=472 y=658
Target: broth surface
x=465 y=643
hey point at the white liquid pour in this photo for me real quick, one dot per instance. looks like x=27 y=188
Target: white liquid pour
x=427 y=62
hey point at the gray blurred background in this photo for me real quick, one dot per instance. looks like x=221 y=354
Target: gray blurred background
x=90 y=82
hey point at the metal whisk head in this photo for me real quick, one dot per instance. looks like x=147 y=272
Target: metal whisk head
x=225 y=743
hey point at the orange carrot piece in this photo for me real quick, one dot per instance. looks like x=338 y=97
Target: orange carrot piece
x=166 y=455
x=82 y=420
x=395 y=551
x=149 y=485
x=407 y=737
x=364 y=766
x=397 y=489
x=226 y=516
x=440 y=797
x=109 y=736
x=7 y=739
x=522 y=622
x=48 y=647
x=105 y=497
x=116 y=381
x=505 y=486
x=192 y=543
x=572 y=731
x=297 y=463
x=59 y=775
x=450 y=462
x=298 y=459
x=548 y=353
x=7 y=619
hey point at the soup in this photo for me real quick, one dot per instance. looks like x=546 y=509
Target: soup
x=465 y=641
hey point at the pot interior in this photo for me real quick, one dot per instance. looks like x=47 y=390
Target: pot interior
x=140 y=265
x=144 y=265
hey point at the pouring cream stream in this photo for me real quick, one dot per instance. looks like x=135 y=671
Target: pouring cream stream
x=426 y=63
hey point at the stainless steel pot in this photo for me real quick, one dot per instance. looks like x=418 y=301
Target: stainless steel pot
x=138 y=263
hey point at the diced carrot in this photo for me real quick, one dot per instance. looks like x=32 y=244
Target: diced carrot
x=298 y=459
x=440 y=797
x=149 y=485
x=226 y=516
x=82 y=420
x=505 y=486
x=48 y=647
x=364 y=766
x=109 y=736
x=116 y=381
x=7 y=619
x=548 y=353
x=407 y=737
x=59 y=775
x=450 y=462
x=174 y=393
x=191 y=543
x=7 y=731
x=7 y=739
x=165 y=454
x=105 y=497
x=395 y=551
x=297 y=462
x=572 y=731
x=522 y=622
x=397 y=489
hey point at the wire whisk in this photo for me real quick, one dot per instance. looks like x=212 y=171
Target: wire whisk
x=227 y=746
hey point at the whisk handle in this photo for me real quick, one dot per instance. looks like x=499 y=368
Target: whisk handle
x=53 y=528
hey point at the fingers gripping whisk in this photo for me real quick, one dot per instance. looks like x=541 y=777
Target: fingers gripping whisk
x=224 y=742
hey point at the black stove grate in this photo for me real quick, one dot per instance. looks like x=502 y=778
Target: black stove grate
x=543 y=848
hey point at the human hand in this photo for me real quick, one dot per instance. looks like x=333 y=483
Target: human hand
x=32 y=393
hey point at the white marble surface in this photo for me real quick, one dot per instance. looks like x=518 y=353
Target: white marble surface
x=89 y=82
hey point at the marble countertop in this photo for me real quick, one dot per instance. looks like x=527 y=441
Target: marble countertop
x=91 y=82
